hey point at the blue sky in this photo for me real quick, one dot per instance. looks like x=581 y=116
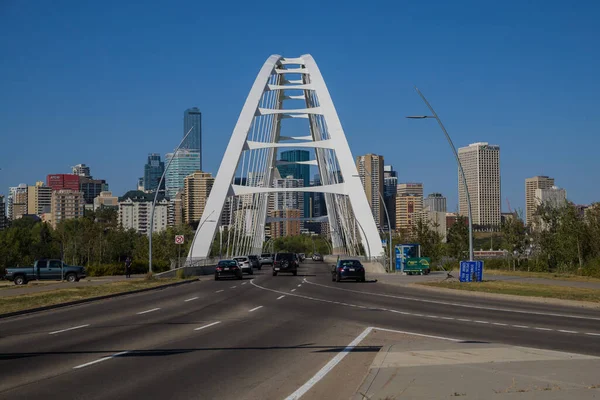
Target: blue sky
x=105 y=84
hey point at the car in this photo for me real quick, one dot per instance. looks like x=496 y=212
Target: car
x=45 y=269
x=254 y=261
x=265 y=259
x=285 y=262
x=228 y=269
x=317 y=257
x=348 y=269
x=244 y=263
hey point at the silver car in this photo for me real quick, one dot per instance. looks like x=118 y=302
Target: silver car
x=245 y=265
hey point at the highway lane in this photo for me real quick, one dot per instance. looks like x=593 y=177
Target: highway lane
x=246 y=340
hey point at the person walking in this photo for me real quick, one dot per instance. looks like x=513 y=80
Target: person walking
x=128 y=267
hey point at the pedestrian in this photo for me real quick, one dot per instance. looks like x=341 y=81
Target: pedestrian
x=128 y=267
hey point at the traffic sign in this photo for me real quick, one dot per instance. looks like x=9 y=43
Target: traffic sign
x=179 y=239
x=471 y=271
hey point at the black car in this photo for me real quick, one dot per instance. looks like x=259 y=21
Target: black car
x=228 y=269
x=254 y=262
x=285 y=262
x=348 y=269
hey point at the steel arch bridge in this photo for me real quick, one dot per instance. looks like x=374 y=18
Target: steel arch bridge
x=286 y=88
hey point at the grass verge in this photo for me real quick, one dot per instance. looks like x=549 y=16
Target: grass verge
x=23 y=302
x=543 y=275
x=523 y=289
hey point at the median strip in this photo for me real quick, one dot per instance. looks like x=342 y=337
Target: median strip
x=68 y=329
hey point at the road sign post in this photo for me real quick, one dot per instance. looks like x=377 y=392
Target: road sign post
x=179 y=240
x=471 y=271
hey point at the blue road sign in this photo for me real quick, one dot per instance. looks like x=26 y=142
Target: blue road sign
x=471 y=271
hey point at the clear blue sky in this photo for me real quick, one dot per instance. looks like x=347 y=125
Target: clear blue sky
x=104 y=84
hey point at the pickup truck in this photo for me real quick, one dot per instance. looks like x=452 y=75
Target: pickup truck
x=44 y=269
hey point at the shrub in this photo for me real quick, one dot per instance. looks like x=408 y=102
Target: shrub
x=181 y=273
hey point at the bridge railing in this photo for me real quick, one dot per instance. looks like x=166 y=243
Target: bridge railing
x=190 y=267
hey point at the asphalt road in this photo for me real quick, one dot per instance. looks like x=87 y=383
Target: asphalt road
x=261 y=338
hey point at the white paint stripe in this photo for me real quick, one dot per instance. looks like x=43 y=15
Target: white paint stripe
x=68 y=329
x=457 y=304
x=299 y=285
x=280 y=297
x=244 y=283
x=592 y=334
x=463 y=319
x=147 y=311
x=328 y=367
x=193 y=298
x=206 y=326
x=499 y=324
x=219 y=291
x=293 y=290
x=233 y=287
x=432 y=316
x=255 y=308
x=400 y=312
x=482 y=322
x=521 y=326
x=567 y=331
x=544 y=329
x=448 y=318
x=418 y=334
x=101 y=360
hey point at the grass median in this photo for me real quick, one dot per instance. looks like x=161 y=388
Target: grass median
x=523 y=289
x=24 y=302
x=543 y=275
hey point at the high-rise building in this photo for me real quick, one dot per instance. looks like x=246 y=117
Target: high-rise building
x=135 y=211
x=435 y=202
x=319 y=206
x=66 y=204
x=184 y=163
x=289 y=166
x=436 y=221
x=81 y=170
x=481 y=164
x=39 y=199
x=63 y=181
x=370 y=170
x=390 y=185
x=410 y=189
x=531 y=184
x=176 y=210
x=153 y=171
x=197 y=187
x=288 y=200
x=91 y=188
x=2 y=213
x=553 y=197
x=140 y=184
x=106 y=200
x=408 y=206
x=192 y=119
x=17 y=201
x=289 y=225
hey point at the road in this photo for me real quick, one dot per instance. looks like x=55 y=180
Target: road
x=261 y=338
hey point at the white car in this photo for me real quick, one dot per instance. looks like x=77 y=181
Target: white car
x=244 y=263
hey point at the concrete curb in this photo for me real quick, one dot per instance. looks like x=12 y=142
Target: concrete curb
x=82 y=301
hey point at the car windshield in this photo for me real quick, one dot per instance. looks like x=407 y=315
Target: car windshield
x=227 y=263
x=350 y=263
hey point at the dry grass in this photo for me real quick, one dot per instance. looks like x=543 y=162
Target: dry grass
x=543 y=275
x=523 y=289
x=28 y=301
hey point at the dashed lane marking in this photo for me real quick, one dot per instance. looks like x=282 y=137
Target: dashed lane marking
x=68 y=329
x=207 y=326
x=148 y=311
x=101 y=360
x=219 y=291
x=280 y=297
x=255 y=308
x=193 y=298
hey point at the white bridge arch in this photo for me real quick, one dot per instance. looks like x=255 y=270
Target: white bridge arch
x=252 y=155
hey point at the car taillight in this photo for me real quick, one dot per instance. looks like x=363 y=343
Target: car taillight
x=340 y=268
x=219 y=269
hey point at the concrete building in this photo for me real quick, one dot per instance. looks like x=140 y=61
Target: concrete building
x=63 y=181
x=153 y=171
x=91 y=188
x=140 y=184
x=197 y=187
x=184 y=163
x=553 y=196
x=531 y=185
x=81 y=170
x=192 y=119
x=106 y=199
x=39 y=199
x=66 y=204
x=291 y=163
x=410 y=189
x=481 y=164
x=176 y=210
x=436 y=221
x=286 y=226
x=288 y=200
x=135 y=210
x=370 y=170
x=435 y=202
x=408 y=206
x=3 y=219
x=17 y=201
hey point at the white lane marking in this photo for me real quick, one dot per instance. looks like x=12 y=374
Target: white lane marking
x=521 y=326
x=280 y=297
x=418 y=334
x=329 y=366
x=448 y=318
x=543 y=329
x=233 y=287
x=499 y=324
x=255 y=308
x=219 y=291
x=244 y=283
x=193 y=298
x=456 y=304
x=293 y=290
x=207 y=326
x=147 y=311
x=482 y=322
x=592 y=334
x=299 y=285
x=101 y=360
x=68 y=329
x=463 y=319
x=567 y=331
x=432 y=316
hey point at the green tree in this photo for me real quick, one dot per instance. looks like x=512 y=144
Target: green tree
x=514 y=238
x=458 y=239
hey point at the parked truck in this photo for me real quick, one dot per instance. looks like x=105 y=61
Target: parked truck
x=44 y=269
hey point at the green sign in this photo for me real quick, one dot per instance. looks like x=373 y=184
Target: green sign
x=417 y=263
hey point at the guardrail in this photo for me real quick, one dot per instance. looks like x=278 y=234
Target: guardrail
x=191 y=267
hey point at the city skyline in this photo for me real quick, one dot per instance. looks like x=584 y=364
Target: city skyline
x=135 y=113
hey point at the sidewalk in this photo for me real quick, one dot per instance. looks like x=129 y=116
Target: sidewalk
x=417 y=367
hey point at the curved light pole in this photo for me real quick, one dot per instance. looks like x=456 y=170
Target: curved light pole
x=462 y=172
x=156 y=196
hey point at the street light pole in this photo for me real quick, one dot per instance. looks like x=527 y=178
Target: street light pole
x=156 y=196
x=460 y=168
